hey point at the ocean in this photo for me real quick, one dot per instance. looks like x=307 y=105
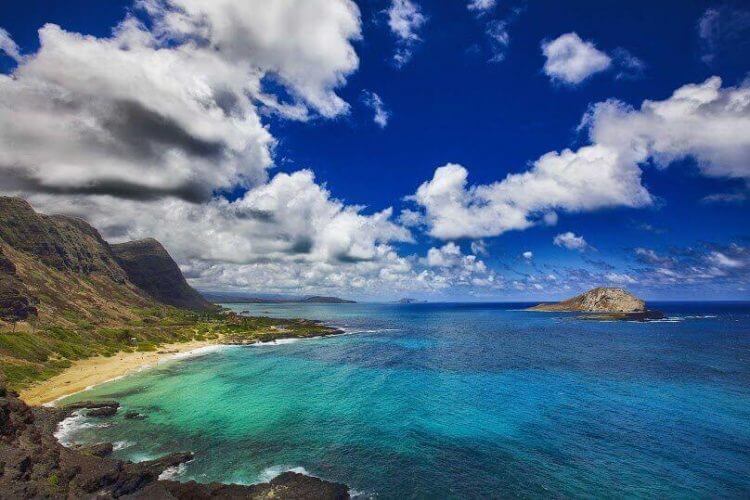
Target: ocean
x=457 y=401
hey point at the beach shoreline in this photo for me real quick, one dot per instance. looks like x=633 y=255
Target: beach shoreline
x=90 y=372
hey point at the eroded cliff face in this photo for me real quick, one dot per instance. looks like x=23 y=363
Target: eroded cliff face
x=59 y=269
x=599 y=300
x=33 y=464
x=150 y=267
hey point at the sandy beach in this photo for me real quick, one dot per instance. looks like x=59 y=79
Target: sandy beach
x=90 y=372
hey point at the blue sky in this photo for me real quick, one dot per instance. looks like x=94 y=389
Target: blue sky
x=489 y=89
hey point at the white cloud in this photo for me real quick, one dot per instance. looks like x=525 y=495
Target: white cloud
x=8 y=46
x=550 y=218
x=703 y=121
x=722 y=260
x=410 y=218
x=479 y=247
x=528 y=255
x=445 y=256
x=571 y=60
x=592 y=177
x=374 y=102
x=306 y=44
x=497 y=32
x=629 y=66
x=405 y=19
x=620 y=278
x=481 y=6
x=290 y=218
x=570 y=241
x=136 y=131
x=149 y=113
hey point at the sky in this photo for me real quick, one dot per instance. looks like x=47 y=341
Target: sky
x=462 y=150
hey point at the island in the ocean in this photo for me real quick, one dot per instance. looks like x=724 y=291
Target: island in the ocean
x=76 y=311
x=603 y=303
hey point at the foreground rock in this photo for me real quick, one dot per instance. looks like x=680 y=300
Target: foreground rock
x=33 y=464
x=604 y=303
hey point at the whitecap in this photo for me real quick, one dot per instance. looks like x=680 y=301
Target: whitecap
x=69 y=427
x=173 y=473
x=200 y=351
x=271 y=472
x=361 y=495
x=121 y=445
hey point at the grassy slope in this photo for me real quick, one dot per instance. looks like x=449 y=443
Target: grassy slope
x=86 y=305
x=30 y=355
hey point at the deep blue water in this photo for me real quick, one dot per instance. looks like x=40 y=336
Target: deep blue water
x=460 y=400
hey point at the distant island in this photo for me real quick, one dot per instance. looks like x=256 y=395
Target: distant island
x=605 y=303
x=409 y=300
x=244 y=298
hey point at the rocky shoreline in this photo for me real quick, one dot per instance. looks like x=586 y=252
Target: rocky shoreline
x=33 y=464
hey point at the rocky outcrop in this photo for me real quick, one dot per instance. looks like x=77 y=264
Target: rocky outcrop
x=33 y=464
x=604 y=304
x=600 y=300
x=151 y=268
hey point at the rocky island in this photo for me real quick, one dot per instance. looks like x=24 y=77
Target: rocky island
x=604 y=303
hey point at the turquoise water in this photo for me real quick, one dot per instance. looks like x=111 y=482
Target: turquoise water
x=463 y=401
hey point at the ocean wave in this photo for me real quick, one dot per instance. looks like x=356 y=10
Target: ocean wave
x=121 y=445
x=69 y=427
x=173 y=473
x=200 y=351
x=361 y=495
x=278 y=342
x=271 y=472
x=680 y=319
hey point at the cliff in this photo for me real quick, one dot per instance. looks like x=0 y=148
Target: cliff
x=598 y=300
x=66 y=295
x=149 y=266
x=59 y=269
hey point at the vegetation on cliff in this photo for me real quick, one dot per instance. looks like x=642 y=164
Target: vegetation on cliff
x=66 y=294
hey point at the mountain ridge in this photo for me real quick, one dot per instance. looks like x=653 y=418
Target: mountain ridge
x=150 y=267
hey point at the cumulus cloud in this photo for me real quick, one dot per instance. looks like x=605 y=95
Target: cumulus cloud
x=571 y=60
x=703 y=121
x=169 y=110
x=305 y=44
x=374 y=102
x=570 y=241
x=138 y=131
x=528 y=255
x=405 y=19
x=290 y=218
x=592 y=177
